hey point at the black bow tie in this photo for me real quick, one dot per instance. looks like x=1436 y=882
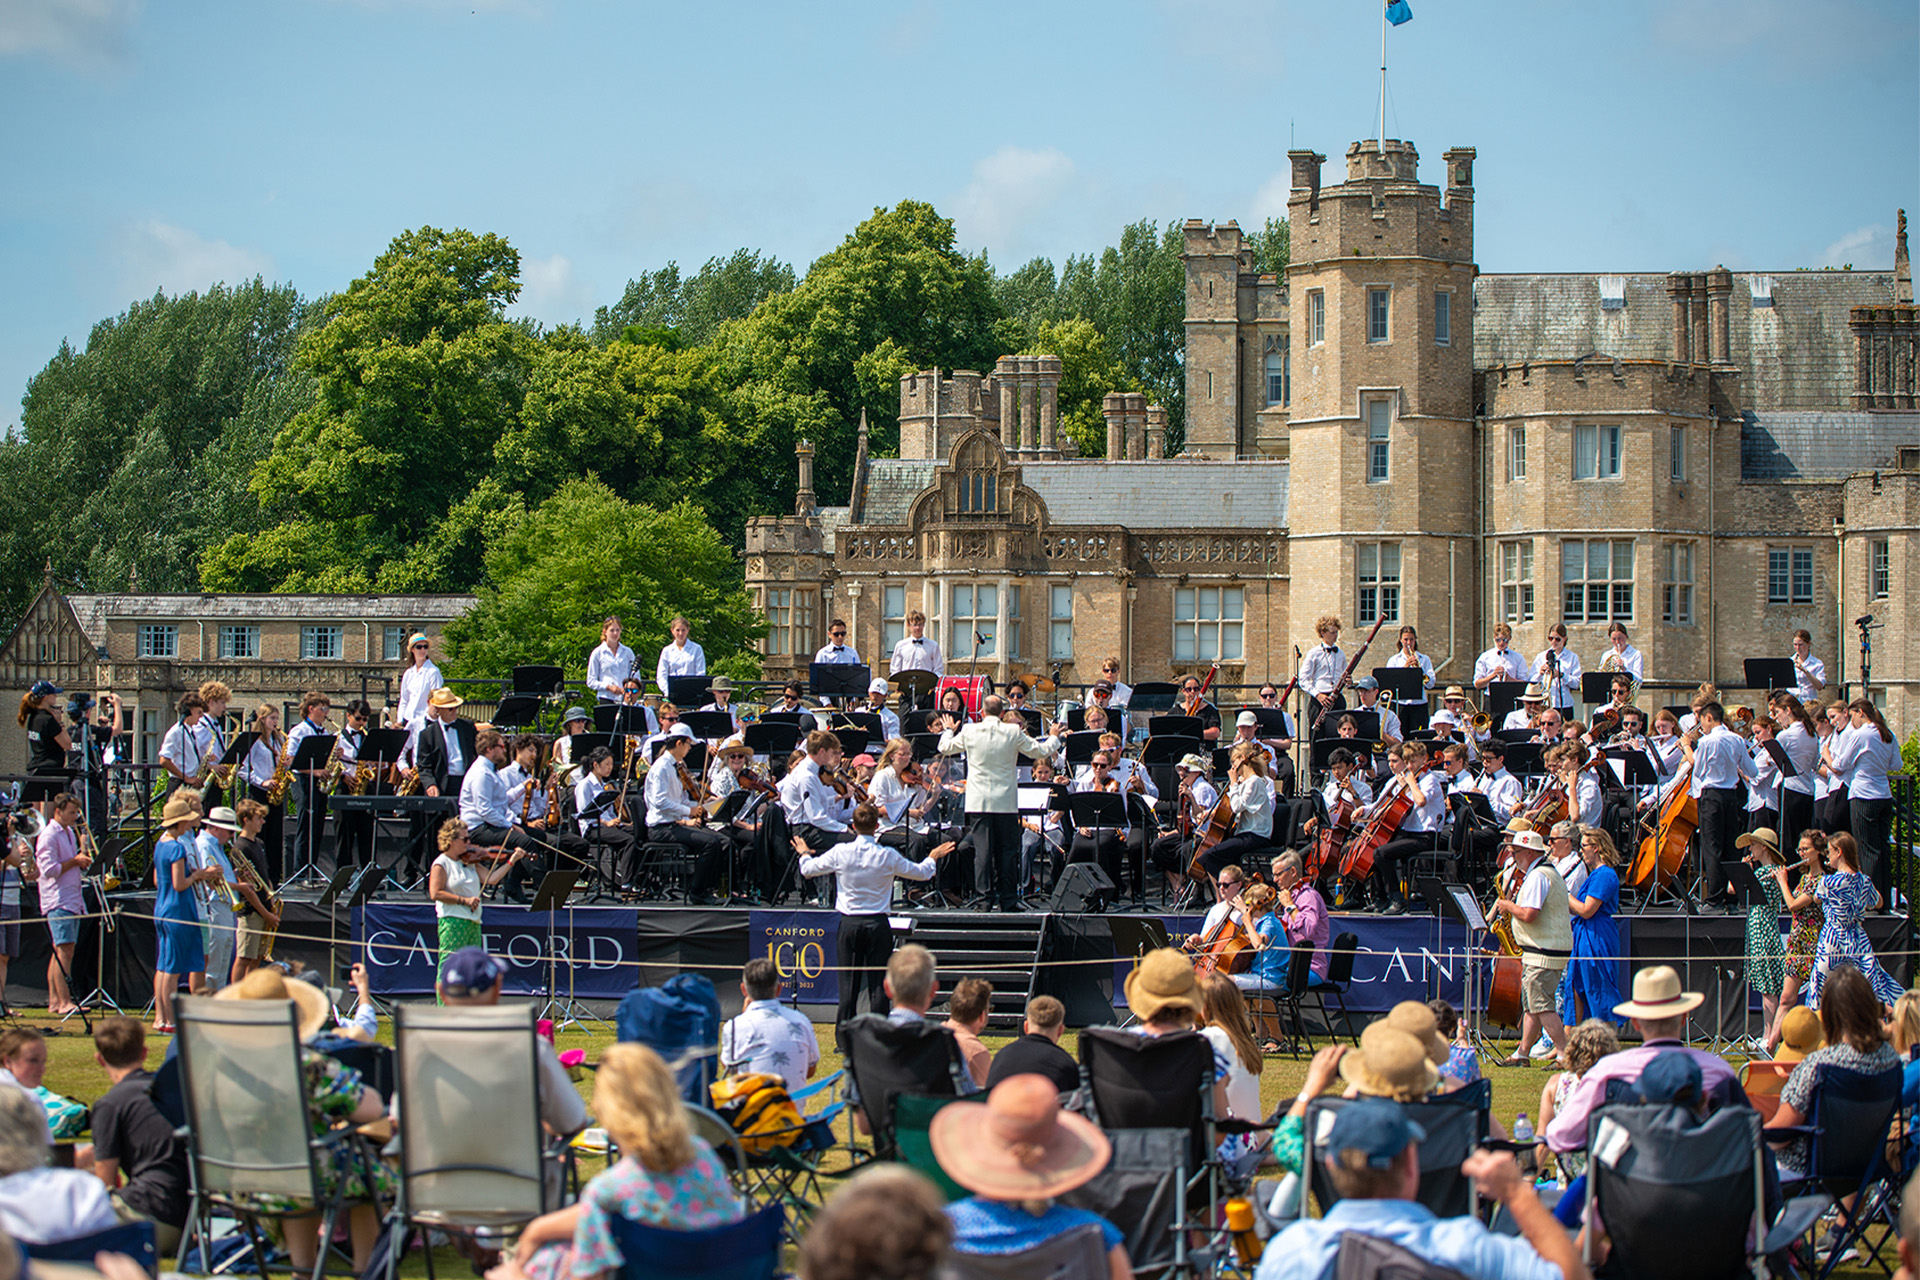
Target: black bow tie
x=918 y=640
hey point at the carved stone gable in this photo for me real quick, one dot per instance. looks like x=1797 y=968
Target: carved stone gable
x=48 y=645
x=979 y=485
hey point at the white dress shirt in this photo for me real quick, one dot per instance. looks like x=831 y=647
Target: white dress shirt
x=1862 y=760
x=770 y=1038
x=262 y=759
x=1803 y=753
x=817 y=804
x=993 y=749
x=1518 y=718
x=1400 y=659
x=516 y=780
x=210 y=738
x=889 y=722
x=1321 y=669
x=863 y=871
x=841 y=655
x=1084 y=785
x=677 y=661
x=304 y=729
x=1630 y=661
x=483 y=796
x=893 y=798
x=181 y=744
x=666 y=796
x=1503 y=792
x=1500 y=664
x=1252 y=806
x=1815 y=670
x=1567 y=691
x=917 y=655
x=1430 y=815
x=416 y=686
x=1390 y=730
x=1591 y=800
x=587 y=794
x=1331 y=791
x=1719 y=760
x=607 y=671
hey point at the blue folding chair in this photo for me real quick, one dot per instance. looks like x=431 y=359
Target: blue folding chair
x=746 y=1250
x=1850 y=1117
x=680 y=1021
x=135 y=1239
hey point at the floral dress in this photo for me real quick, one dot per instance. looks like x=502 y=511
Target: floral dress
x=1804 y=938
x=1847 y=895
x=695 y=1196
x=351 y=1169
x=1766 y=959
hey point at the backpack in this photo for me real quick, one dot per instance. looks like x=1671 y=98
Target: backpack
x=760 y=1111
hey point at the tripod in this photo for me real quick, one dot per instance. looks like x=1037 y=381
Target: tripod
x=99 y=993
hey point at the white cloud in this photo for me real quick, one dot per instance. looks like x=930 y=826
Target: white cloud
x=551 y=292
x=1270 y=201
x=84 y=33
x=158 y=255
x=1869 y=248
x=1013 y=192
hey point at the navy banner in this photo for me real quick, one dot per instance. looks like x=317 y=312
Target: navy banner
x=802 y=946
x=596 y=948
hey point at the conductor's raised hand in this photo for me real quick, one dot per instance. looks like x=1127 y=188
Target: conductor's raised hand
x=940 y=851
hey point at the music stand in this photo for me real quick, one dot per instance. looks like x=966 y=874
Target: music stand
x=1076 y=720
x=555 y=888
x=1222 y=761
x=1502 y=698
x=708 y=724
x=925 y=745
x=1513 y=737
x=1771 y=674
x=1274 y=722
x=1407 y=684
x=1034 y=723
x=1458 y=901
x=853 y=740
x=1159 y=756
x=688 y=691
x=360 y=892
x=1367 y=722
x=1323 y=748
x=1746 y=885
x=516 y=711
x=1081 y=746
x=1523 y=759
x=1630 y=766
x=1175 y=726
x=342 y=880
x=772 y=740
x=1153 y=697
x=538 y=682
x=1133 y=937
x=844 y=680
x=242 y=744
x=916 y=687
x=875 y=727
x=312 y=754
x=1104 y=811
x=1036 y=800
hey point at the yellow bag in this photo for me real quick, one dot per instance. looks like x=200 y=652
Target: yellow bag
x=759 y=1109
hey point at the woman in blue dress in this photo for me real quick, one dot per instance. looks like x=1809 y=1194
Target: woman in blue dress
x=1596 y=934
x=1846 y=896
x=182 y=949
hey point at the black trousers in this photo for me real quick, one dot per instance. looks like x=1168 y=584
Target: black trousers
x=352 y=838
x=1835 y=814
x=1720 y=820
x=996 y=856
x=272 y=838
x=1388 y=858
x=309 y=824
x=1236 y=851
x=1796 y=817
x=711 y=850
x=615 y=850
x=866 y=944
x=1872 y=822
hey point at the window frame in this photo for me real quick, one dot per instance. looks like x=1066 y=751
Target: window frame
x=1677 y=582
x=1879 y=568
x=150 y=633
x=230 y=631
x=1517 y=591
x=1228 y=621
x=1443 y=317
x=1377 y=595
x=1615 y=586
x=1056 y=621
x=1790 y=558
x=1279 y=378
x=393 y=643
x=1379 y=315
x=1517 y=453
x=311 y=633
x=990 y=651
x=789 y=611
x=1316 y=317
x=1677 y=453
x=893 y=624
x=1379 y=445
x=1601 y=433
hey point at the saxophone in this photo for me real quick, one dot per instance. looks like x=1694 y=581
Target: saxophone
x=282 y=775
x=330 y=776
x=245 y=869
x=1500 y=924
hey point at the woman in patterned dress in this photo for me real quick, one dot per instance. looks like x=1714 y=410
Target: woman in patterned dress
x=336 y=1101
x=1766 y=958
x=1847 y=896
x=453 y=886
x=666 y=1177
x=1803 y=939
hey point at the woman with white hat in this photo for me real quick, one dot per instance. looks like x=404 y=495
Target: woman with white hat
x=1766 y=957
x=1017 y=1152
x=418 y=679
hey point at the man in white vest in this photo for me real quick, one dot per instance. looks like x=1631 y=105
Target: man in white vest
x=1543 y=926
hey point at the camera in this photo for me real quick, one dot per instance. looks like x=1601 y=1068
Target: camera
x=1863 y=621
x=78 y=705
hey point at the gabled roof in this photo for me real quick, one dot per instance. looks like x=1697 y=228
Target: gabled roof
x=1171 y=493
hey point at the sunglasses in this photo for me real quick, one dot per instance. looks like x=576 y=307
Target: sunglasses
x=837 y=635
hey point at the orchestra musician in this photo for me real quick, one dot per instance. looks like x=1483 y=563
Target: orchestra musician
x=680 y=656
x=836 y=650
x=720 y=695
x=1392 y=729
x=610 y=663
x=1122 y=691
x=917 y=651
x=1270 y=701
x=1796 y=736
x=1864 y=754
x=417 y=683
x=1720 y=763
x=1419 y=831
x=1621 y=656
x=1192 y=704
x=1246 y=727
x=353 y=828
x=309 y=784
x=1173 y=852
x=597 y=801
x=1567 y=763
x=181 y=752
x=1550 y=728
x=526 y=795
x=792 y=699
x=1500 y=662
x=1608 y=719
x=901 y=794
x=632 y=695
x=1557 y=669
x=1543 y=926
x=213 y=734
x=668 y=718
x=1109 y=846
x=1101 y=698
x=1250 y=795
x=486 y=807
x=1409 y=655
x=1808 y=671
x=1321 y=669
x=443 y=751
x=1345 y=783
x=745 y=822
x=1041 y=832
x=816 y=809
x=1502 y=790
x=1527 y=714
x=1763 y=797
x=877 y=690
x=677 y=818
x=256 y=771
x=573 y=720
x=993 y=746
x=1832 y=810
x=260 y=920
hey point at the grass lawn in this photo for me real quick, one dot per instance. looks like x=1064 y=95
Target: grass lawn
x=72 y=1071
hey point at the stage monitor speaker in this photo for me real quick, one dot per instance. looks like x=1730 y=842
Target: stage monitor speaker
x=1083 y=887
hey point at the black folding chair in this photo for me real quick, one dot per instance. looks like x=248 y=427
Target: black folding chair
x=1683 y=1197
x=1340 y=956
x=1850 y=1117
x=887 y=1060
x=1456 y=1124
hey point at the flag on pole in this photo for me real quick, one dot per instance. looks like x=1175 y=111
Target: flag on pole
x=1399 y=11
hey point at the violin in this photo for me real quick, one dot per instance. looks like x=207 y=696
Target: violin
x=695 y=792
x=910 y=776
x=754 y=782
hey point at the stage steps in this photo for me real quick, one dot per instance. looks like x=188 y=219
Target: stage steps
x=1000 y=947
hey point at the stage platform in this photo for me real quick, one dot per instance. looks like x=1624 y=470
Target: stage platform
x=596 y=953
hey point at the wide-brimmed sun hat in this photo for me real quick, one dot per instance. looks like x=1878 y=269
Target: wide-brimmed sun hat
x=445 y=697
x=1657 y=994
x=1418 y=1021
x=268 y=984
x=1164 y=979
x=1018 y=1144
x=1390 y=1064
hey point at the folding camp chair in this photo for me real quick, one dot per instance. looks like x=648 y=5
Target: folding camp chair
x=1851 y=1116
x=913 y=1115
x=1339 y=977
x=745 y=1250
x=1683 y=1197
x=1456 y=1123
x=471 y=1158
x=248 y=1135
x=888 y=1059
x=1365 y=1257
x=1143 y=1191
x=1079 y=1254
x=134 y=1239
x=680 y=1021
x=1762 y=1083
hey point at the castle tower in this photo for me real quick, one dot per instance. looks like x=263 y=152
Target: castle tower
x=1215 y=257
x=1380 y=310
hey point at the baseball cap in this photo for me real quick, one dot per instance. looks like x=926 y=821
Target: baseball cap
x=877 y=685
x=1673 y=1077
x=1245 y=717
x=680 y=730
x=1366 y=682
x=1376 y=1128
x=1103 y=686
x=42 y=688
x=469 y=972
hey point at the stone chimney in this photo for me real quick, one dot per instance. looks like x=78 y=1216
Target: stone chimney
x=804 y=502
x=1719 y=298
x=1306 y=175
x=1113 y=407
x=1156 y=431
x=1902 y=267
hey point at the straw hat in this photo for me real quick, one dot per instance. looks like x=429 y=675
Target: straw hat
x=1390 y=1064
x=1657 y=994
x=1533 y=694
x=1018 y=1144
x=1454 y=691
x=735 y=746
x=1763 y=837
x=444 y=697
x=1163 y=980
x=1800 y=1034
x=179 y=809
x=1418 y=1021
x=223 y=819
x=1530 y=840
x=1192 y=761
x=268 y=984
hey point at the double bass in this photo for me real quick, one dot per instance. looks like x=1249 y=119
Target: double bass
x=1504 y=989
x=1663 y=850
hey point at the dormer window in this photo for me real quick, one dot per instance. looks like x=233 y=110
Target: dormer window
x=979 y=493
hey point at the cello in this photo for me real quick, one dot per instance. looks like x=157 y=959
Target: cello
x=1225 y=948
x=1356 y=858
x=1328 y=841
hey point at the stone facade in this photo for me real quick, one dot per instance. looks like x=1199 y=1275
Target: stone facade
x=1713 y=458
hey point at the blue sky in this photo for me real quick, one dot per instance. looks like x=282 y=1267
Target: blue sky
x=169 y=145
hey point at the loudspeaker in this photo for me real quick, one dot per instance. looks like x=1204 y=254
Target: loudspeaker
x=1083 y=887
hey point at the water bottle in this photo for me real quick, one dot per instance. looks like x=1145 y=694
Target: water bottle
x=1522 y=1128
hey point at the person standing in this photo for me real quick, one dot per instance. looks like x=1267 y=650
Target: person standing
x=353 y=828
x=1809 y=673
x=1557 y=670
x=182 y=951
x=864 y=871
x=610 y=663
x=443 y=752
x=417 y=683
x=1794 y=731
x=453 y=886
x=1542 y=925
x=1413 y=711
x=1766 y=957
x=1320 y=673
x=993 y=746
x=1846 y=895
x=836 y=651
x=1862 y=755
x=1596 y=931
x=217 y=916
x=309 y=784
x=182 y=754
x=1500 y=662
x=1622 y=656
x=256 y=771
x=1720 y=761
x=679 y=657
x=257 y=925
x=917 y=651
x=62 y=866
x=47 y=742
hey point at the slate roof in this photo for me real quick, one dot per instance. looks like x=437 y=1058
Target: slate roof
x=1822 y=446
x=1796 y=355
x=1171 y=493
x=92 y=610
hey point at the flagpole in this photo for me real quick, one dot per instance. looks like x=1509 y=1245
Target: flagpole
x=1381 y=138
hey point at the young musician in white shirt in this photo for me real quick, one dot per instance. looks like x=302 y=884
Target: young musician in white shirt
x=917 y=651
x=1557 y=670
x=1409 y=655
x=1322 y=667
x=836 y=650
x=1500 y=662
x=610 y=663
x=1808 y=671
x=680 y=657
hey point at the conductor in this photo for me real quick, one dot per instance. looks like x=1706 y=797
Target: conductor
x=993 y=745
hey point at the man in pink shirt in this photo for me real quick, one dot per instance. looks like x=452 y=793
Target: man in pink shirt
x=1659 y=1010
x=1303 y=913
x=62 y=866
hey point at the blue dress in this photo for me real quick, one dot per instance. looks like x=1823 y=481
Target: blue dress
x=1845 y=897
x=182 y=947
x=1591 y=974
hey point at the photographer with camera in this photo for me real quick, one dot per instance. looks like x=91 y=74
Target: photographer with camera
x=47 y=744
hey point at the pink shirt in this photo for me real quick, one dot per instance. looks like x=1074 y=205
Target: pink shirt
x=1568 y=1132
x=1308 y=919
x=58 y=888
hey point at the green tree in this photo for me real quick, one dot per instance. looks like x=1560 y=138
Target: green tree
x=132 y=452
x=1087 y=372
x=1030 y=297
x=552 y=574
x=1271 y=246
x=1135 y=294
x=724 y=289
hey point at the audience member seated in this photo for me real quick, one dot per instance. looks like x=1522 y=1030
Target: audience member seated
x=334 y=1095
x=1038 y=1050
x=912 y=977
x=1800 y=1034
x=886 y=1222
x=666 y=1177
x=39 y=1205
x=1164 y=995
x=768 y=1037
x=1373 y=1160
x=132 y=1140
x=1419 y=1020
x=1017 y=1152
x=1856 y=1041
x=1587 y=1043
x=1659 y=1010
x=1462 y=1066
x=1388 y=1064
x=1225 y=1022
x=1905 y=1030
x=23 y=1064
x=471 y=977
x=967 y=1011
